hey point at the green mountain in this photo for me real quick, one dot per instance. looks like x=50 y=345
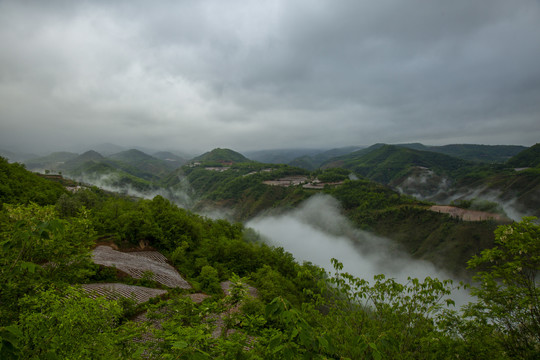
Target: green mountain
x=280 y=156
x=315 y=161
x=247 y=190
x=388 y=163
x=174 y=160
x=220 y=156
x=108 y=176
x=88 y=156
x=443 y=178
x=339 y=161
x=141 y=164
x=527 y=158
x=133 y=162
x=131 y=156
x=472 y=152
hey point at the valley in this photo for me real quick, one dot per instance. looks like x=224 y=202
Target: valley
x=127 y=233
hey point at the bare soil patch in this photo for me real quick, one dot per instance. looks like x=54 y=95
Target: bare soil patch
x=468 y=215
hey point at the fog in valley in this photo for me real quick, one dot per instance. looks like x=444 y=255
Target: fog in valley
x=428 y=186
x=317 y=232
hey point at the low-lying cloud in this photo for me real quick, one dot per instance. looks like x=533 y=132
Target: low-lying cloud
x=318 y=232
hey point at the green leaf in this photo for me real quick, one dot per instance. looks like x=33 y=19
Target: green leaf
x=30 y=267
x=180 y=345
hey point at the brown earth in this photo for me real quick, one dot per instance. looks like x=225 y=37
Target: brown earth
x=468 y=215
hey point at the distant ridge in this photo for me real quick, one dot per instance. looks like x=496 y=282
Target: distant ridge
x=387 y=163
x=472 y=152
x=52 y=161
x=314 y=161
x=174 y=160
x=89 y=156
x=131 y=156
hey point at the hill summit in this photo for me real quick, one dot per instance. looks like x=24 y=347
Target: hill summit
x=222 y=155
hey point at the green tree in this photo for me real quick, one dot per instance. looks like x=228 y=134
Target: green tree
x=70 y=325
x=37 y=248
x=209 y=280
x=507 y=290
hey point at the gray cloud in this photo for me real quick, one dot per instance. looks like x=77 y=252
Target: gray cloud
x=242 y=74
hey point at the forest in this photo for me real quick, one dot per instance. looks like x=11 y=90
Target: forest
x=47 y=235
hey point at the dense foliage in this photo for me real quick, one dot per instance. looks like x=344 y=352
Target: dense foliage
x=17 y=185
x=301 y=310
x=527 y=158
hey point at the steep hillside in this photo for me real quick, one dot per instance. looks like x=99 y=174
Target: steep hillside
x=441 y=178
x=248 y=190
x=527 y=158
x=19 y=186
x=387 y=163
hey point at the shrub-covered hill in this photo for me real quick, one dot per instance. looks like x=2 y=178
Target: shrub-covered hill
x=473 y=152
x=252 y=189
x=220 y=156
x=77 y=162
x=527 y=158
x=442 y=178
x=300 y=311
x=19 y=186
x=387 y=163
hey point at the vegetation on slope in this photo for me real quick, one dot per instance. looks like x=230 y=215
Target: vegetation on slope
x=18 y=186
x=301 y=311
x=527 y=158
x=221 y=155
x=473 y=152
x=388 y=163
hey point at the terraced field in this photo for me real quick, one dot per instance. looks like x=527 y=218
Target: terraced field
x=137 y=264
x=115 y=291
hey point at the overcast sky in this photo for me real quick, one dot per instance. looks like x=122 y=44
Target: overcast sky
x=195 y=75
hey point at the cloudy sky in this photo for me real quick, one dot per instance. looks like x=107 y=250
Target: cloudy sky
x=247 y=74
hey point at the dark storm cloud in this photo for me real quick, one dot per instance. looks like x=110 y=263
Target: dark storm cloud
x=249 y=74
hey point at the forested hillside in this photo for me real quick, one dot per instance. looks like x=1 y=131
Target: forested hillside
x=294 y=311
x=247 y=190
x=442 y=178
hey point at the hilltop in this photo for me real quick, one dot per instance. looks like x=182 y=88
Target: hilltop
x=221 y=156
